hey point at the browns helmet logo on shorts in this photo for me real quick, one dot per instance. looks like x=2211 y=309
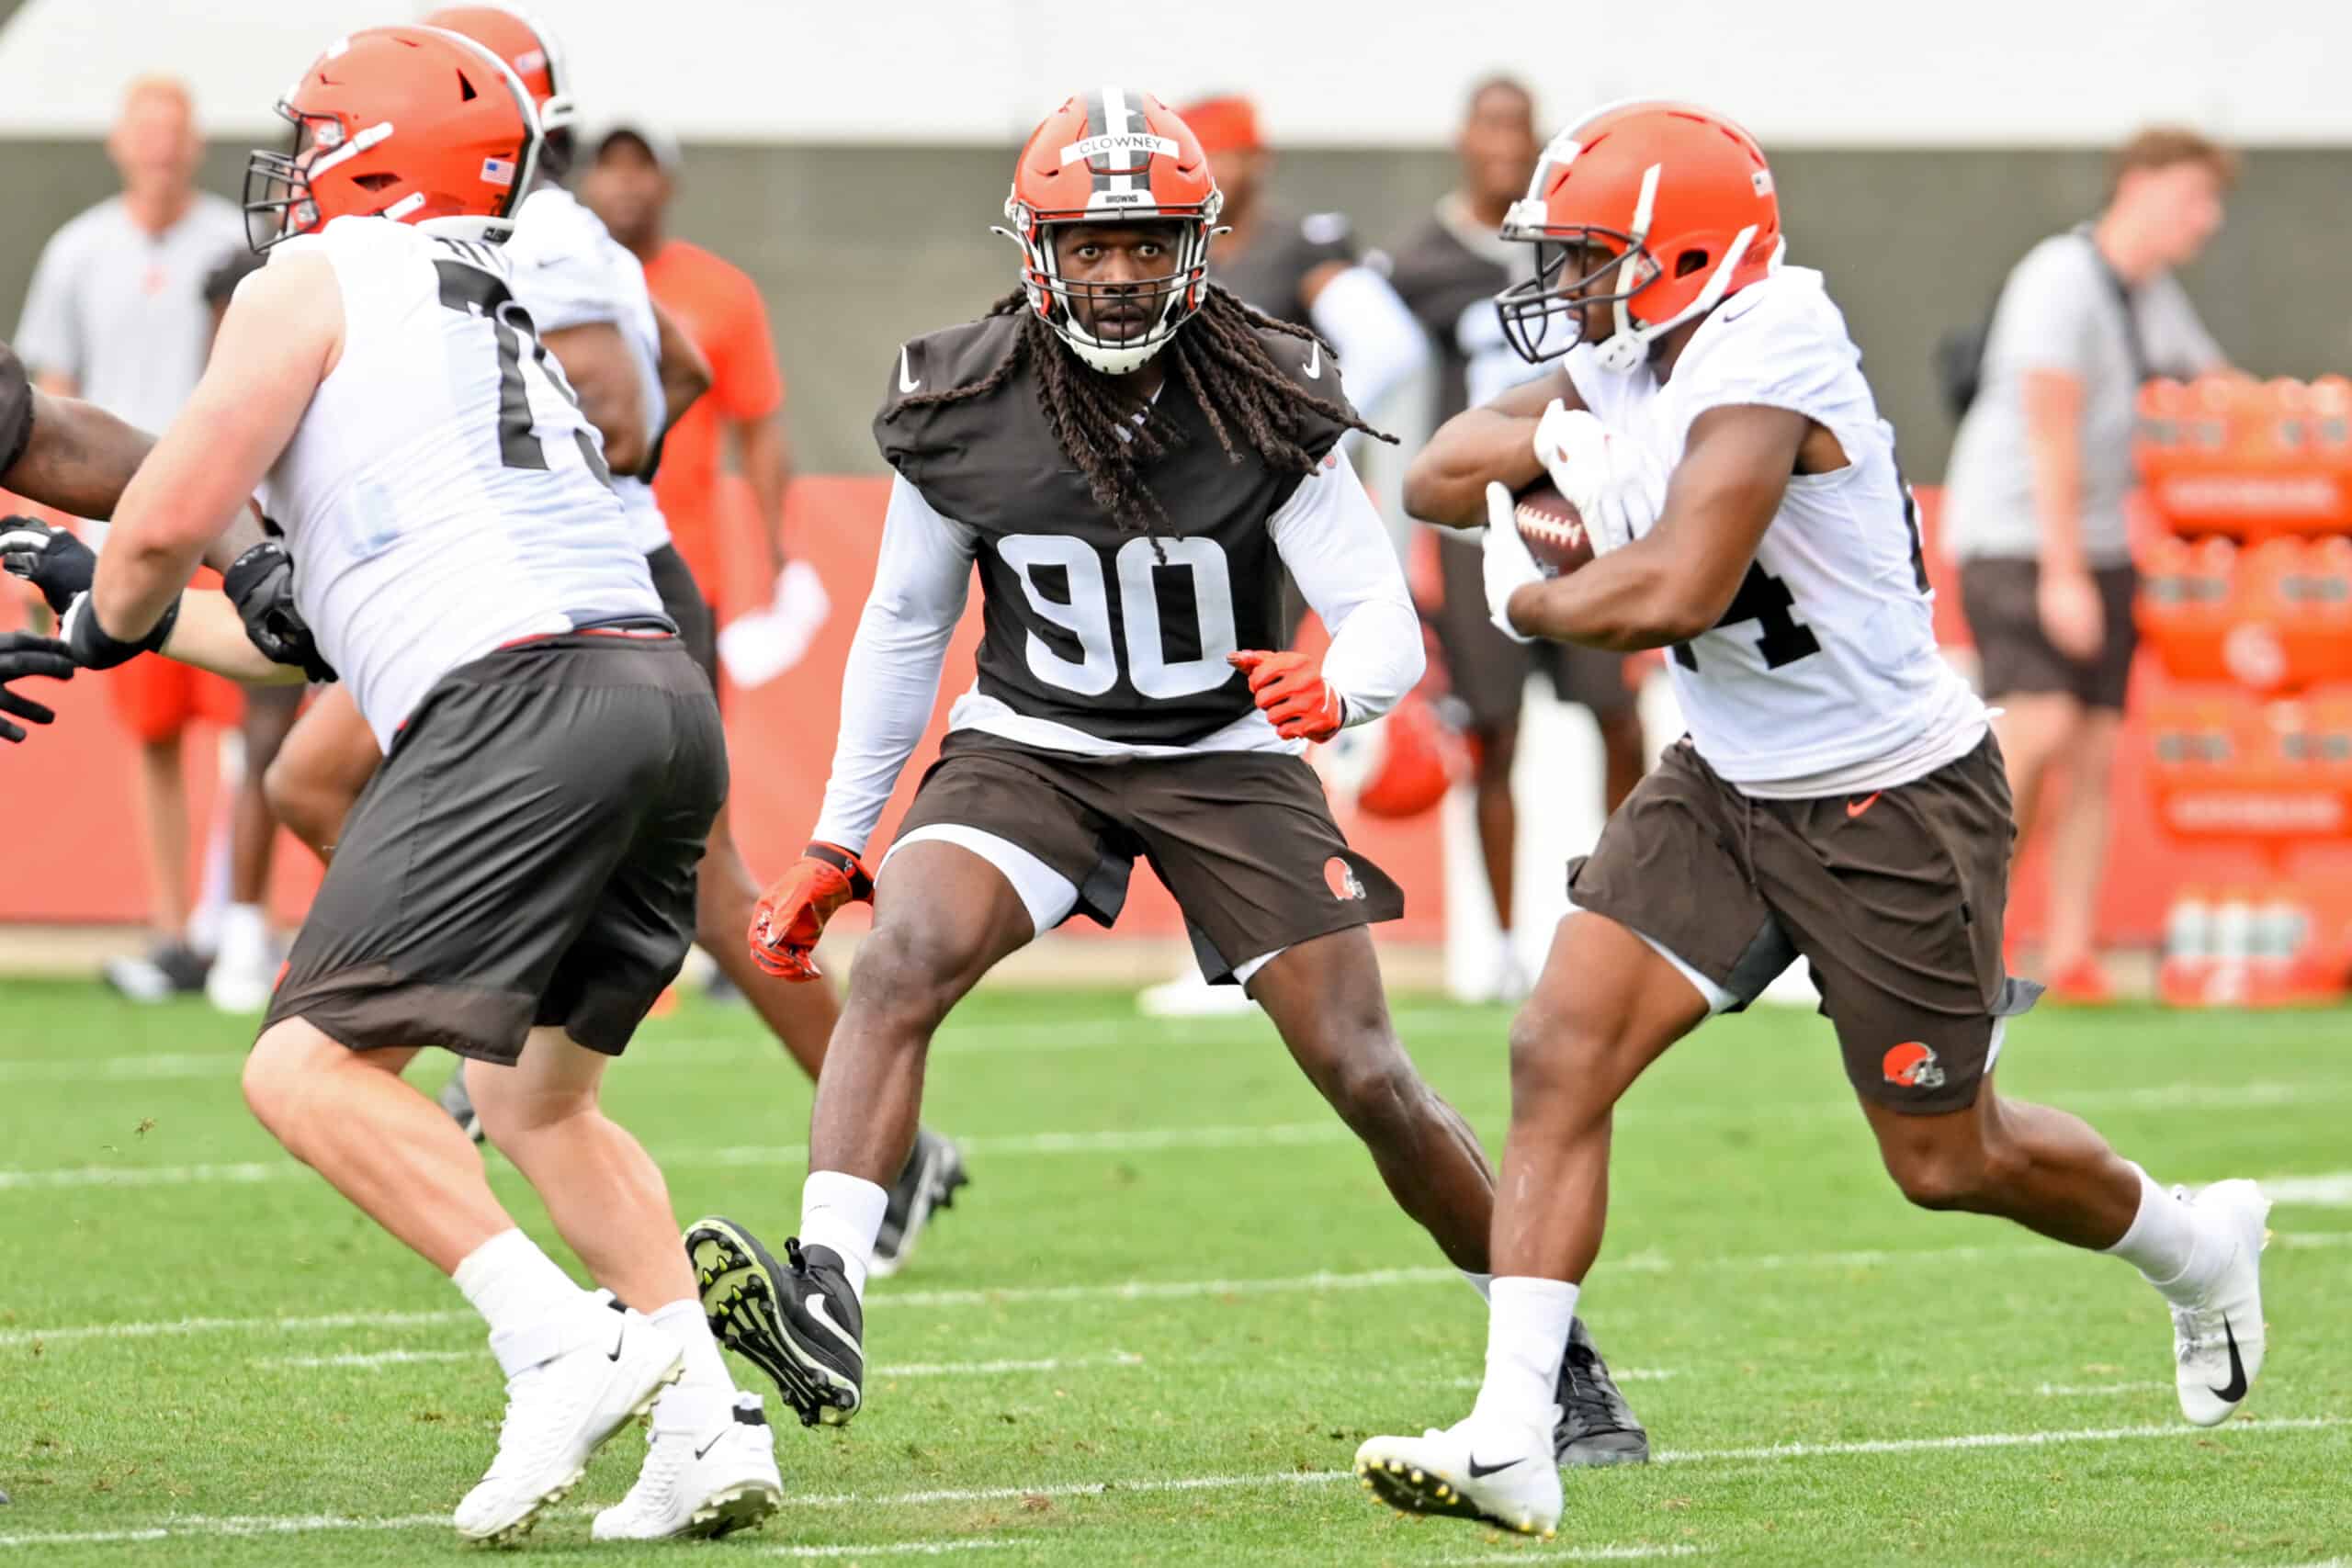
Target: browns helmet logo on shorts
x=1913 y=1066
x=1341 y=878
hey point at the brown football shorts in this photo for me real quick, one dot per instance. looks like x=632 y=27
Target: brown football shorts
x=1244 y=840
x=524 y=857
x=1488 y=671
x=2001 y=600
x=1895 y=898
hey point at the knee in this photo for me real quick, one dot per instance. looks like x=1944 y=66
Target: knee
x=1555 y=1053
x=1374 y=1087
x=909 y=977
x=1497 y=752
x=276 y=1078
x=510 y=1119
x=295 y=799
x=1959 y=1168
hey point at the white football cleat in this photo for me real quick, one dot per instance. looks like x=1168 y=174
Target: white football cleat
x=1473 y=1470
x=571 y=1384
x=709 y=1471
x=1190 y=996
x=2218 y=1339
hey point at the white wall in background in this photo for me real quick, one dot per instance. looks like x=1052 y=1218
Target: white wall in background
x=1371 y=72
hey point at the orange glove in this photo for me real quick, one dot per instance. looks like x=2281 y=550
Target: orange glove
x=791 y=915
x=1292 y=692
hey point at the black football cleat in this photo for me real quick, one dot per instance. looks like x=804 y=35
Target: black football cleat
x=1597 y=1427
x=934 y=1170
x=798 y=1321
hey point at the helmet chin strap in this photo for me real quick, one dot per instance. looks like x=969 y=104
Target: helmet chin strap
x=1629 y=345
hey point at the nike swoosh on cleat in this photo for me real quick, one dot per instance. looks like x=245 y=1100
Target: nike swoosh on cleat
x=710 y=1445
x=1856 y=808
x=2235 y=1389
x=1480 y=1472
x=817 y=1306
x=908 y=381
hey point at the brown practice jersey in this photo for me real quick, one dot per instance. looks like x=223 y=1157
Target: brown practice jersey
x=1271 y=275
x=1087 y=623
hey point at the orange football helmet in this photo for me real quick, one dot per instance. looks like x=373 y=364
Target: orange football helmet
x=529 y=50
x=1680 y=202
x=1120 y=157
x=410 y=123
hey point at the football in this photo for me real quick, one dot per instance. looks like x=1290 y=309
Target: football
x=1553 y=532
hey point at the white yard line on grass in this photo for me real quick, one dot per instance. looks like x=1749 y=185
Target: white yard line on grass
x=1147 y=1289
x=897 y=1548
x=2330 y=1192
x=1555 y=1552
x=1776 y=1453
x=2097 y=1390
x=371 y=1360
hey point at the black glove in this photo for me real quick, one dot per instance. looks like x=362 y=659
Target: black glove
x=24 y=654
x=94 y=648
x=260 y=583
x=50 y=559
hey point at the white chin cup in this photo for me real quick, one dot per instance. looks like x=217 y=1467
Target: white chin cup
x=1622 y=351
x=1122 y=360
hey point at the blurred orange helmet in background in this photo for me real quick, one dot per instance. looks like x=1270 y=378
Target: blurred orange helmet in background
x=1114 y=157
x=1679 y=200
x=410 y=123
x=529 y=50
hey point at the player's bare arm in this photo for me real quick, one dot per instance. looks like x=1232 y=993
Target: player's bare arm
x=686 y=373
x=2069 y=601
x=1446 y=484
x=596 y=361
x=79 y=458
x=281 y=337
x=1678 y=580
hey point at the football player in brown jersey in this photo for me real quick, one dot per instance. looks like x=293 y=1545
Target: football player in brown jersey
x=1128 y=456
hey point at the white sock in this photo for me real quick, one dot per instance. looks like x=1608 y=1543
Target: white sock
x=513 y=1284
x=244 y=933
x=683 y=1322
x=1482 y=1283
x=1527 y=1337
x=2162 y=1242
x=843 y=1213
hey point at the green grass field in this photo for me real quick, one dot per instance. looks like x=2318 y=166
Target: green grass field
x=1175 y=1298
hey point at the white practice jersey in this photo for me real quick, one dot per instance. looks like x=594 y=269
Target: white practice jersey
x=1824 y=673
x=444 y=494
x=570 y=272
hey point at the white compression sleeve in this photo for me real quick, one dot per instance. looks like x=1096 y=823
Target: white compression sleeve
x=921 y=580
x=1373 y=332
x=1331 y=538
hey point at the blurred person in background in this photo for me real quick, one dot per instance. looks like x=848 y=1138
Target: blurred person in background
x=117 y=315
x=244 y=962
x=1449 y=273
x=629 y=184
x=1309 y=270
x=2034 y=500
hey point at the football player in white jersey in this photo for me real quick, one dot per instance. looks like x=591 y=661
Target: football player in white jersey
x=635 y=372
x=1839 y=798
x=516 y=885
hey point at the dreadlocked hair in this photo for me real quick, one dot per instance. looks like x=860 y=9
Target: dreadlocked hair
x=1221 y=362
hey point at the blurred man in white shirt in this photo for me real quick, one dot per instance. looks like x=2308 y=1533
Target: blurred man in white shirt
x=117 y=315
